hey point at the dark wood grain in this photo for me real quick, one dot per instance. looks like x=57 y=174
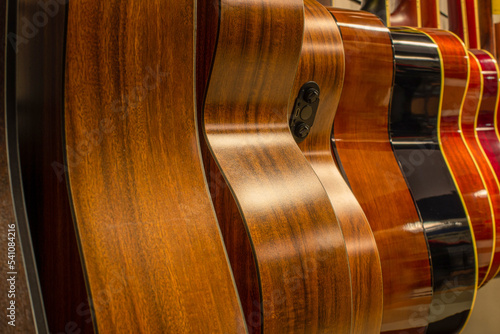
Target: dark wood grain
x=468 y=121
x=154 y=257
x=39 y=96
x=300 y=255
x=463 y=167
x=322 y=61
x=364 y=151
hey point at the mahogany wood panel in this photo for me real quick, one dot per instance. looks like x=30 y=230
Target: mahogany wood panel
x=322 y=61
x=12 y=216
x=364 y=151
x=38 y=106
x=153 y=253
x=485 y=122
x=300 y=255
x=230 y=220
x=414 y=122
x=406 y=13
x=430 y=13
x=468 y=121
x=463 y=167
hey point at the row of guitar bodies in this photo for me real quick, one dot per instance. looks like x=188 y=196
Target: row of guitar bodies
x=353 y=174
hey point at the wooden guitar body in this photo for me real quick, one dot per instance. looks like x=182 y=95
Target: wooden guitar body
x=416 y=142
x=297 y=259
x=153 y=254
x=483 y=89
x=377 y=7
x=457 y=21
x=363 y=150
x=322 y=61
x=463 y=166
x=430 y=13
x=473 y=23
x=406 y=13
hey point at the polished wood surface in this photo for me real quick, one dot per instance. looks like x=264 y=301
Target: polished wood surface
x=463 y=166
x=406 y=13
x=377 y=7
x=472 y=21
x=302 y=265
x=13 y=225
x=430 y=13
x=457 y=22
x=364 y=151
x=485 y=127
x=414 y=122
x=153 y=253
x=38 y=91
x=486 y=30
x=322 y=61
x=468 y=121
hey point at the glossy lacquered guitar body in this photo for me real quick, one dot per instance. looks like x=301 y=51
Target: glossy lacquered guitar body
x=282 y=235
x=406 y=13
x=430 y=14
x=463 y=166
x=322 y=61
x=153 y=253
x=472 y=21
x=414 y=130
x=364 y=152
x=482 y=94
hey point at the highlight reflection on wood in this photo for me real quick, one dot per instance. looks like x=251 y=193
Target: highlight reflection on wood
x=322 y=61
x=362 y=145
x=299 y=251
x=153 y=252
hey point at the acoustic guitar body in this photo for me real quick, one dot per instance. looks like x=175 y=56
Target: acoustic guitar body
x=21 y=299
x=480 y=25
x=363 y=150
x=406 y=13
x=283 y=238
x=377 y=7
x=414 y=132
x=483 y=89
x=463 y=166
x=322 y=62
x=153 y=254
x=430 y=13
x=458 y=22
